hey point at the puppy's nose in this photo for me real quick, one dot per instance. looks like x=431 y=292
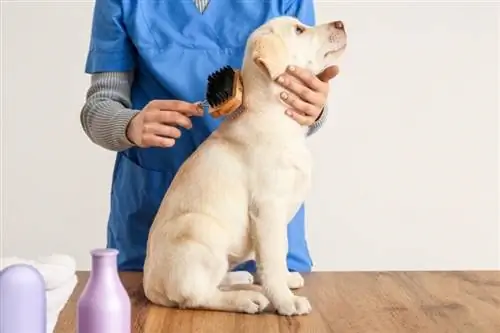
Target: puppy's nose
x=338 y=25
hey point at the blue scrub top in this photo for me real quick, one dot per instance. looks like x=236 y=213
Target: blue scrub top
x=172 y=48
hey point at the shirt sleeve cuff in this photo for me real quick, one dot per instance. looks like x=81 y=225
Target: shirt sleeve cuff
x=120 y=122
x=100 y=61
x=318 y=123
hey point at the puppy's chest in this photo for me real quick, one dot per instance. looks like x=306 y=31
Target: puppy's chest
x=282 y=168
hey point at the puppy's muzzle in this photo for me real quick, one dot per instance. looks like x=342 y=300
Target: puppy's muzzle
x=337 y=31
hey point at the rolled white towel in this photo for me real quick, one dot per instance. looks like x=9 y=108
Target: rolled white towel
x=56 y=300
x=59 y=274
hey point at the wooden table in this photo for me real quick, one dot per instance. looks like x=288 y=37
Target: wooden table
x=420 y=302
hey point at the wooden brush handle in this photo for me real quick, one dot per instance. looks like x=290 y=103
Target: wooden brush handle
x=233 y=103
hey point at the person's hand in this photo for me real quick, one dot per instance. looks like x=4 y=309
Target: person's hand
x=155 y=125
x=307 y=94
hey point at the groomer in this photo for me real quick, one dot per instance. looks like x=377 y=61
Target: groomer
x=149 y=62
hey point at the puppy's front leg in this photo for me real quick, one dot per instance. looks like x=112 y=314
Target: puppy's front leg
x=271 y=244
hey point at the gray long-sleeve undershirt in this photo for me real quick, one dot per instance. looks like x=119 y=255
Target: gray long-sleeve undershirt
x=107 y=111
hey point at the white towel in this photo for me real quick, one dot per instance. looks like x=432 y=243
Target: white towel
x=59 y=274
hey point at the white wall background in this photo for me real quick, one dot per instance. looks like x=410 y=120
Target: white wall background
x=406 y=167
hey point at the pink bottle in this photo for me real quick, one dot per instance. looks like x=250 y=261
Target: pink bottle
x=104 y=305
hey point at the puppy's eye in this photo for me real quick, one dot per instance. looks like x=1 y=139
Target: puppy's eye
x=299 y=29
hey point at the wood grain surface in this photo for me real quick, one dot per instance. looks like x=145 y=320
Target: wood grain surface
x=367 y=302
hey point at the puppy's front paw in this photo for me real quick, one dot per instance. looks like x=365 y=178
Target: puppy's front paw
x=296 y=305
x=251 y=301
x=295 y=280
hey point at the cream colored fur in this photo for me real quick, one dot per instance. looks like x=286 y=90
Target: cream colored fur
x=232 y=199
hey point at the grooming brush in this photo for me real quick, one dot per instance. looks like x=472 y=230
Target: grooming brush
x=224 y=92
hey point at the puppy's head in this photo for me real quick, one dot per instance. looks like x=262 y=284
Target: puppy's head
x=286 y=41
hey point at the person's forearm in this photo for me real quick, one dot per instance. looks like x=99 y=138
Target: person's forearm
x=107 y=110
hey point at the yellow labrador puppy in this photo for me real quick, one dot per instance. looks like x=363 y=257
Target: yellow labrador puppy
x=232 y=199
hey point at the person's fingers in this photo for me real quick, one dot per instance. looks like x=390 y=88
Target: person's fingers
x=298 y=104
x=299 y=117
x=328 y=74
x=186 y=108
x=307 y=78
x=172 y=118
x=298 y=88
x=162 y=130
x=152 y=140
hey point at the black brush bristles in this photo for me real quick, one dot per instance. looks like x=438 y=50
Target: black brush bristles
x=220 y=86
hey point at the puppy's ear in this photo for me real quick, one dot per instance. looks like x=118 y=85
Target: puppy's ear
x=270 y=54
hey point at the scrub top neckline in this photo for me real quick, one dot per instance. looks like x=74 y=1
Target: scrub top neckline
x=196 y=12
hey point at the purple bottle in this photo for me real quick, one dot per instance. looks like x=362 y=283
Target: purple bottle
x=104 y=305
x=23 y=302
